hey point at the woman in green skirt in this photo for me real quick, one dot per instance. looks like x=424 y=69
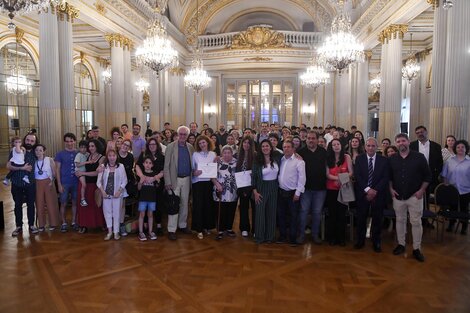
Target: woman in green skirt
x=265 y=184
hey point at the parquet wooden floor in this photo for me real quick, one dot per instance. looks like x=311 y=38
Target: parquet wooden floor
x=55 y=272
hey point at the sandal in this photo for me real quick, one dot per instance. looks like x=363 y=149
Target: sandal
x=83 y=202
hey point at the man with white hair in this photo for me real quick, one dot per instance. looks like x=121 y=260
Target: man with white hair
x=177 y=174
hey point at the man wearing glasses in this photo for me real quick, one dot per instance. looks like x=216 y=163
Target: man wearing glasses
x=177 y=174
x=138 y=143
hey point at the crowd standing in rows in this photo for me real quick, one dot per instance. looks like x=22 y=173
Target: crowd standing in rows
x=287 y=176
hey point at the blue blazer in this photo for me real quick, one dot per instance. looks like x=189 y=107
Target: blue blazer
x=380 y=177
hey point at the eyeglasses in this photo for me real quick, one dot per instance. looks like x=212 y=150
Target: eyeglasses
x=126 y=145
x=152 y=144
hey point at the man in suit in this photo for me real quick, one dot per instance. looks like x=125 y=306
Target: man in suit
x=177 y=173
x=371 y=171
x=433 y=153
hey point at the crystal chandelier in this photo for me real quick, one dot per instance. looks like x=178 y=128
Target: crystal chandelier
x=17 y=84
x=314 y=76
x=375 y=83
x=197 y=78
x=20 y=7
x=107 y=76
x=341 y=48
x=142 y=85
x=448 y=4
x=156 y=52
x=411 y=69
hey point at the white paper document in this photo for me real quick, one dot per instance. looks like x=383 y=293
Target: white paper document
x=209 y=170
x=243 y=179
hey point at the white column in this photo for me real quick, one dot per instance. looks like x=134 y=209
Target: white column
x=362 y=95
x=457 y=72
x=389 y=121
x=154 y=103
x=66 y=72
x=438 y=73
x=117 y=114
x=129 y=85
x=50 y=128
x=383 y=91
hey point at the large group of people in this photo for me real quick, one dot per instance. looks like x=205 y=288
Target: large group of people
x=290 y=177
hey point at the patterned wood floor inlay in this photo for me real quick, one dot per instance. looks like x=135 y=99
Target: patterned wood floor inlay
x=55 y=272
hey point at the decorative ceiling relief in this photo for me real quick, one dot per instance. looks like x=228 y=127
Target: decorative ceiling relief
x=257 y=38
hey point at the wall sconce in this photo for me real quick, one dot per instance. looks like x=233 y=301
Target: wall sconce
x=211 y=111
x=309 y=110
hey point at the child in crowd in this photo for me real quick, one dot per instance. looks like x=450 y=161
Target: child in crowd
x=148 y=198
x=17 y=159
x=80 y=162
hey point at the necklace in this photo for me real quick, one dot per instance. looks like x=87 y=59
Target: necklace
x=40 y=171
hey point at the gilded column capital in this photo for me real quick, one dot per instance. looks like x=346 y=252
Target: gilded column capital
x=392 y=31
x=19 y=34
x=64 y=9
x=368 y=54
x=102 y=61
x=118 y=40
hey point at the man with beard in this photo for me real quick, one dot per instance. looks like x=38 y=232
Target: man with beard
x=222 y=135
x=138 y=143
x=409 y=178
x=21 y=190
x=193 y=129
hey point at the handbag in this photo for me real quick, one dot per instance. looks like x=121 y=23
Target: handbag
x=98 y=197
x=172 y=202
x=346 y=193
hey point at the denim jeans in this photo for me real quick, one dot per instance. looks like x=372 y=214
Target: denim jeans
x=287 y=215
x=311 y=201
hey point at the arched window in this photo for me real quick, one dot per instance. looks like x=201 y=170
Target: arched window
x=19 y=93
x=85 y=99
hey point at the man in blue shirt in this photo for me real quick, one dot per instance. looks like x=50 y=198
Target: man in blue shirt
x=67 y=182
x=138 y=143
x=21 y=190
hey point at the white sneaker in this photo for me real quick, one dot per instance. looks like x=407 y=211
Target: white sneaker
x=26 y=179
x=244 y=233
x=117 y=236
x=108 y=236
x=6 y=182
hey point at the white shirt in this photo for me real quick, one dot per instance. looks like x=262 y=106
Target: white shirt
x=270 y=172
x=328 y=137
x=292 y=174
x=163 y=148
x=202 y=158
x=424 y=149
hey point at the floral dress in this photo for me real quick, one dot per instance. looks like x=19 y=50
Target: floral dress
x=226 y=177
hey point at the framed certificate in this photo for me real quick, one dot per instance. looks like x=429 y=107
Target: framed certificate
x=243 y=179
x=209 y=170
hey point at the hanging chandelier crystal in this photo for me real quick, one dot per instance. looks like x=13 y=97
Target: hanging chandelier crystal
x=314 y=76
x=197 y=78
x=20 y=7
x=411 y=69
x=156 y=52
x=107 y=76
x=142 y=85
x=17 y=84
x=341 y=48
x=375 y=83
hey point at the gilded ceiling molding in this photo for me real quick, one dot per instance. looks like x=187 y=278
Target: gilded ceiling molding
x=321 y=13
x=65 y=9
x=130 y=13
x=118 y=40
x=279 y=13
x=393 y=30
x=177 y=71
x=257 y=59
x=102 y=61
x=100 y=7
x=257 y=38
x=19 y=34
x=369 y=15
x=434 y=3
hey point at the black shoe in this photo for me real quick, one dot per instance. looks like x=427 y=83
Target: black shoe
x=359 y=245
x=463 y=232
x=159 y=231
x=219 y=236
x=186 y=231
x=342 y=244
x=332 y=243
x=399 y=250
x=231 y=233
x=293 y=243
x=418 y=255
x=377 y=248
x=281 y=240
x=171 y=235
x=450 y=229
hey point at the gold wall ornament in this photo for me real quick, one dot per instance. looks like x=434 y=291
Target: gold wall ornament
x=146 y=100
x=257 y=59
x=82 y=56
x=118 y=40
x=19 y=34
x=100 y=7
x=368 y=54
x=177 y=71
x=102 y=61
x=434 y=3
x=258 y=38
x=393 y=30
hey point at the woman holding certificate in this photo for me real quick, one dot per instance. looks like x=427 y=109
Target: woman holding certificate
x=246 y=157
x=203 y=209
x=265 y=184
x=225 y=192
